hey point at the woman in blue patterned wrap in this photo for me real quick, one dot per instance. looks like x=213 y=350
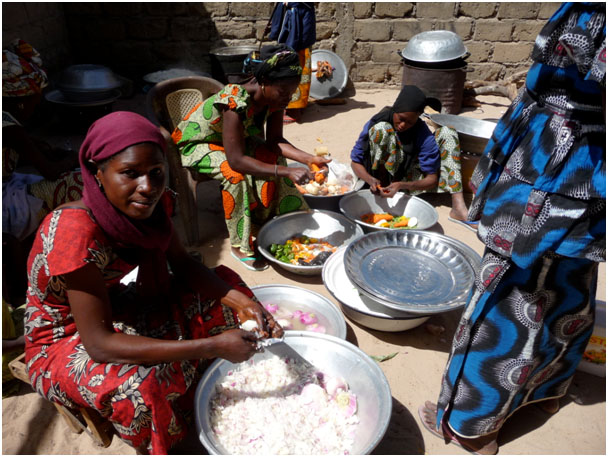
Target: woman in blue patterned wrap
x=540 y=201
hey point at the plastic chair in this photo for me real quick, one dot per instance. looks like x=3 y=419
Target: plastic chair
x=167 y=104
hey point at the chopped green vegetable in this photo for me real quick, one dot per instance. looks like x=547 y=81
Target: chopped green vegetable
x=383 y=358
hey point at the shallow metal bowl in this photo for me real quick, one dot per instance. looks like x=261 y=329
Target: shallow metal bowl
x=87 y=82
x=330 y=355
x=336 y=229
x=294 y=298
x=473 y=133
x=360 y=308
x=434 y=46
x=362 y=202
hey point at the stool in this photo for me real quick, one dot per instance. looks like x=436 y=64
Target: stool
x=82 y=420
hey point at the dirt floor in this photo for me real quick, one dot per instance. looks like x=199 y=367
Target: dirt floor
x=30 y=425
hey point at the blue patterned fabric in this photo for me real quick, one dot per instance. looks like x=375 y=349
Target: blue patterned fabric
x=541 y=205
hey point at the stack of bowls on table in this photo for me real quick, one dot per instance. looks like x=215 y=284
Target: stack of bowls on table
x=396 y=279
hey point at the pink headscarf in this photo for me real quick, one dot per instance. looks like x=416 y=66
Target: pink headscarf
x=106 y=137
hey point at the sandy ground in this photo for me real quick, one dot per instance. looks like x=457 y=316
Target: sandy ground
x=30 y=424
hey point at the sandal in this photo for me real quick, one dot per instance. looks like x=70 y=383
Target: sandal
x=252 y=263
x=287 y=119
x=471 y=225
x=549 y=406
x=429 y=409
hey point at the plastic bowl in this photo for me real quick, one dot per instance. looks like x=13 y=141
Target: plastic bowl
x=335 y=228
x=330 y=355
x=362 y=202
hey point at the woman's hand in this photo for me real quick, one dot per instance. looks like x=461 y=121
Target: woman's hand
x=234 y=345
x=319 y=161
x=299 y=175
x=390 y=190
x=374 y=185
x=247 y=309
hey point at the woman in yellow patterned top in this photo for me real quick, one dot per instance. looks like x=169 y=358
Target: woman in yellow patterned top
x=236 y=137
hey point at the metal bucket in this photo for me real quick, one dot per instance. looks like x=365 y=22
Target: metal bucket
x=443 y=81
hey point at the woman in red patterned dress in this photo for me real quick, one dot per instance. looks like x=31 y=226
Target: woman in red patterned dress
x=131 y=352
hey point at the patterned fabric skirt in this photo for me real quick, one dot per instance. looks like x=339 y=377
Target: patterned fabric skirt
x=384 y=142
x=300 y=97
x=249 y=201
x=149 y=405
x=540 y=185
x=519 y=340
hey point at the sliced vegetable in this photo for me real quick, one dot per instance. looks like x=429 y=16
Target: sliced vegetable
x=383 y=358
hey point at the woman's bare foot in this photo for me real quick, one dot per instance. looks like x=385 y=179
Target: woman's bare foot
x=459 y=210
x=484 y=445
x=550 y=406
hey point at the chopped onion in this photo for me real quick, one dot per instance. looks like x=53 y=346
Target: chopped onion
x=280 y=406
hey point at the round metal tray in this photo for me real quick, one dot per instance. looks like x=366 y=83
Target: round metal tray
x=360 y=308
x=328 y=87
x=410 y=271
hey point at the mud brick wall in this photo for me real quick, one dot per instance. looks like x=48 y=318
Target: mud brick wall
x=138 y=38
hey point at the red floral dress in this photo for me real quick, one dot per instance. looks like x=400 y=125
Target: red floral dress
x=148 y=405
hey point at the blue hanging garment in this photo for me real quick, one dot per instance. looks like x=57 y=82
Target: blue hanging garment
x=294 y=24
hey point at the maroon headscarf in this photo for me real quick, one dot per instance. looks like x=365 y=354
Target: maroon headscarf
x=106 y=137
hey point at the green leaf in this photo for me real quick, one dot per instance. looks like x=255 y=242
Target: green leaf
x=383 y=358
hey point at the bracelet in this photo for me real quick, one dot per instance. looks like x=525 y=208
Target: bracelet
x=276 y=167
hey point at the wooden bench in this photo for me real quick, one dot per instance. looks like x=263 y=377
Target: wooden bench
x=82 y=420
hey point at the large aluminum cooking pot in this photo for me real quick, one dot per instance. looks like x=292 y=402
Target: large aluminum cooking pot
x=87 y=83
x=435 y=46
x=227 y=62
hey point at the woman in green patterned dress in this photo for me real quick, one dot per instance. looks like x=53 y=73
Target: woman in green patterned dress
x=236 y=137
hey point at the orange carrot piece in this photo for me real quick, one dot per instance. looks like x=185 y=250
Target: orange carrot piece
x=379 y=217
x=402 y=223
x=314 y=167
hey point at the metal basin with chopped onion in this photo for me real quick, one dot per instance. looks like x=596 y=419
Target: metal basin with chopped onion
x=329 y=355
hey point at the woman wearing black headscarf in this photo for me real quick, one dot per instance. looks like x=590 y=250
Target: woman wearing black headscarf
x=396 y=151
x=236 y=137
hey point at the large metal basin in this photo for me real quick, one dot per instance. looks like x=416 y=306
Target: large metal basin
x=336 y=229
x=473 y=133
x=294 y=298
x=330 y=355
x=356 y=205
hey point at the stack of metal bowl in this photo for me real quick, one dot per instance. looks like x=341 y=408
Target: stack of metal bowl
x=395 y=280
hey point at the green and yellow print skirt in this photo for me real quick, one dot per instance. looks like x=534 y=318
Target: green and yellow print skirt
x=248 y=201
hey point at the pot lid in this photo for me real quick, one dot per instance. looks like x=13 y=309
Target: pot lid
x=87 y=78
x=434 y=46
x=233 y=50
